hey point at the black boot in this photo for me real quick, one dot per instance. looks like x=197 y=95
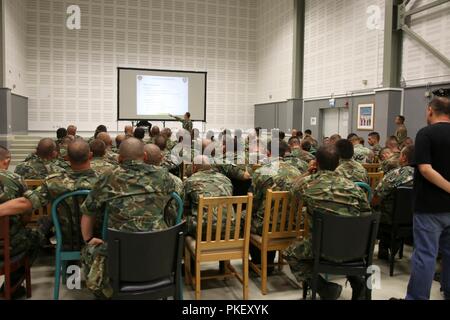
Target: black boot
x=358 y=287
x=327 y=290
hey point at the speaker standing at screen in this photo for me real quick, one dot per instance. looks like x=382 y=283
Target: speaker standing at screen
x=186 y=121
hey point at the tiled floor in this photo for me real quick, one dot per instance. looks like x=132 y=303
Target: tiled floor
x=280 y=286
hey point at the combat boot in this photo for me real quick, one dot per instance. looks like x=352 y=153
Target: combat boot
x=328 y=290
x=358 y=287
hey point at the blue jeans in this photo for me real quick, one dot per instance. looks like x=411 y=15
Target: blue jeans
x=431 y=236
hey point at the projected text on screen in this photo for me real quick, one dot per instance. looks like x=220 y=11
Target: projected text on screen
x=162 y=95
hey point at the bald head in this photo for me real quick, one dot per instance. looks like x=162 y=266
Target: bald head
x=72 y=130
x=106 y=138
x=119 y=139
x=78 y=152
x=46 y=149
x=154 y=154
x=131 y=149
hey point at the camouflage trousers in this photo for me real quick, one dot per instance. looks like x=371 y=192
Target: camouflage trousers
x=95 y=265
x=300 y=259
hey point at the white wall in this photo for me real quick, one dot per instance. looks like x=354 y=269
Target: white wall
x=275 y=50
x=72 y=76
x=420 y=66
x=340 y=50
x=15 y=46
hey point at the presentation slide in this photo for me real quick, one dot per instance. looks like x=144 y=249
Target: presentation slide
x=154 y=94
x=162 y=95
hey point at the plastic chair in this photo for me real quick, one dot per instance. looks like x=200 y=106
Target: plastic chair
x=73 y=253
x=141 y=268
x=367 y=189
x=342 y=238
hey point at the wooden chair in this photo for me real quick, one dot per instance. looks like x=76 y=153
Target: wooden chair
x=374 y=179
x=11 y=264
x=372 y=167
x=282 y=225
x=42 y=212
x=226 y=246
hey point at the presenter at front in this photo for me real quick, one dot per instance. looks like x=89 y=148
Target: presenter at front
x=186 y=121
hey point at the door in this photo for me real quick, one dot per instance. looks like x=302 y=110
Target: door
x=335 y=121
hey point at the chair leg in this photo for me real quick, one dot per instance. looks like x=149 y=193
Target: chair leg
x=57 y=278
x=305 y=290
x=198 y=280
x=28 y=277
x=187 y=268
x=391 y=258
x=7 y=293
x=400 y=254
x=314 y=286
x=64 y=272
x=280 y=261
x=245 y=264
x=264 y=272
x=368 y=290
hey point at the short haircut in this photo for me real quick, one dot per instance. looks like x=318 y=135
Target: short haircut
x=306 y=145
x=309 y=132
x=362 y=140
x=283 y=148
x=327 y=158
x=119 y=139
x=131 y=149
x=441 y=106
x=282 y=135
x=345 y=149
x=351 y=135
x=384 y=151
x=294 y=141
x=335 y=137
x=154 y=154
x=408 y=152
x=4 y=153
x=45 y=148
x=98 y=148
x=392 y=141
x=299 y=134
x=375 y=135
x=155 y=131
x=402 y=119
x=100 y=128
x=188 y=114
x=354 y=139
x=161 y=142
x=78 y=151
x=139 y=133
x=61 y=133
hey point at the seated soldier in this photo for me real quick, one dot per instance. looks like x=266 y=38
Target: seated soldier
x=342 y=198
x=99 y=164
x=79 y=177
x=277 y=175
x=101 y=128
x=334 y=138
x=384 y=195
x=42 y=163
x=297 y=151
x=119 y=139
x=295 y=161
x=205 y=181
x=348 y=167
x=389 y=160
x=135 y=195
x=110 y=156
x=61 y=133
x=72 y=131
x=129 y=132
x=392 y=143
x=361 y=153
x=374 y=142
x=167 y=133
x=154 y=132
x=22 y=240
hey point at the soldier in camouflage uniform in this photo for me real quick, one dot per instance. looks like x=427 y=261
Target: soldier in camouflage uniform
x=374 y=142
x=296 y=162
x=297 y=151
x=167 y=133
x=43 y=163
x=98 y=163
x=389 y=160
x=186 y=122
x=208 y=182
x=401 y=133
x=384 y=195
x=61 y=133
x=329 y=192
x=135 y=196
x=22 y=240
x=349 y=168
x=277 y=175
x=110 y=156
x=361 y=153
x=72 y=131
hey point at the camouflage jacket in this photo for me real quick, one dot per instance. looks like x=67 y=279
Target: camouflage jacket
x=303 y=155
x=400 y=177
x=391 y=163
x=187 y=124
x=210 y=183
x=296 y=162
x=135 y=195
x=376 y=150
x=277 y=175
x=35 y=168
x=12 y=186
x=55 y=186
x=101 y=166
x=112 y=157
x=362 y=154
x=401 y=133
x=353 y=171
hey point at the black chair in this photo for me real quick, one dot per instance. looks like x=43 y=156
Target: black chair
x=146 y=265
x=341 y=238
x=402 y=225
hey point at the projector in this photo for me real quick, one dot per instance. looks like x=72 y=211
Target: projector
x=442 y=92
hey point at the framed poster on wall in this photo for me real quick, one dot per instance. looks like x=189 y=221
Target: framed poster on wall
x=366 y=116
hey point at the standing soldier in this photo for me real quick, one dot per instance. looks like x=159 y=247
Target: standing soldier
x=401 y=133
x=186 y=121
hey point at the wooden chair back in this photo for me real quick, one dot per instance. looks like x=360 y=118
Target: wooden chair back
x=375 y=179
x=372 y=167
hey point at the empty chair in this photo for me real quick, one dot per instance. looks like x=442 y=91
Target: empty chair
x=146 y=265
x=283 y=223
x=402 y=224
x=347 y=239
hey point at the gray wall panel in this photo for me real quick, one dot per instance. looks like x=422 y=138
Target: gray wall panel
x=19 y=114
